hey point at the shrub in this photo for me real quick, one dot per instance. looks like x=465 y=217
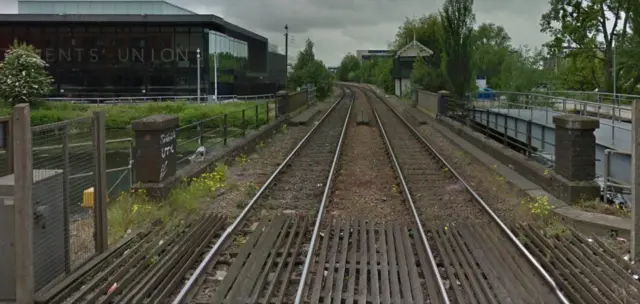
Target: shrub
x=23 y=78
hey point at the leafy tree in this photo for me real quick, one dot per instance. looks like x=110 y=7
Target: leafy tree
x=419 y=73
x=590 y=26
x=522 y=70
x=427 y=32
x=629 y=63
x=457 y=19
x=492 y=47
x=309 y=70
x=23 y=75
x=347 y=71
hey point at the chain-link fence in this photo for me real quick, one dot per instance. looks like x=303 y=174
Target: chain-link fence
x=63 y=185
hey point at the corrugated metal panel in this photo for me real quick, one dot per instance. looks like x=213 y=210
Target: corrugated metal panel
x=110 y=7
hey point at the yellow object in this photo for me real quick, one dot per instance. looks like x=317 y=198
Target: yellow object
x=87 y=198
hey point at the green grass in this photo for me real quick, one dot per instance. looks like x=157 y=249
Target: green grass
x=121 y=116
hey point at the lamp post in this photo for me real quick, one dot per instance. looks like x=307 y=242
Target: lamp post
x=286 y=54
x=198 y=77
x=215 y=76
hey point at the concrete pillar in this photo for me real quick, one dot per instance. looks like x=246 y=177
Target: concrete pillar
x=281 y=103
x=155 y=148
x=443 y=103
x=575 y=147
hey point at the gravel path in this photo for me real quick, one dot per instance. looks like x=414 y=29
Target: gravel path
x=366 y=184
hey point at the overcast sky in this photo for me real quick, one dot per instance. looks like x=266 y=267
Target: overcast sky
x=341 y=26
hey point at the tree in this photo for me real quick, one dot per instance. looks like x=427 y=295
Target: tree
x=421 y=74
x=590 y=26
x=23 y=75
x=427 y=32
x=457 y=20
x=309 y=70
x=349 y=66
x=492 y=47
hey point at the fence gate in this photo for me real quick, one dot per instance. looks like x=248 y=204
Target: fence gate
x=66 y=157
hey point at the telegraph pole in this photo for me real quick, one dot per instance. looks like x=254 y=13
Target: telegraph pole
x=286 y=54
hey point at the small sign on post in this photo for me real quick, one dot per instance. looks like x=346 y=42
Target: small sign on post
x=635 y=180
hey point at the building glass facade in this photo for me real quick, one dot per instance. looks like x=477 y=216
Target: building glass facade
x=129 y=60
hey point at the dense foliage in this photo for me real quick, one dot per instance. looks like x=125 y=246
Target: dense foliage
x=309 y=70
x=587 y=35
x=23 y=78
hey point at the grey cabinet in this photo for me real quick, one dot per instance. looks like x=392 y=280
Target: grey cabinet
x=48 y=233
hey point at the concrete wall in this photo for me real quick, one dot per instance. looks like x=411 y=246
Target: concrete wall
x=428 y=101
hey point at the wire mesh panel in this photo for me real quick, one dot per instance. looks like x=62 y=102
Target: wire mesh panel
x=63 y=163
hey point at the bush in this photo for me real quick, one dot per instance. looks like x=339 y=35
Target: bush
x=23 y=78
x=121 y=116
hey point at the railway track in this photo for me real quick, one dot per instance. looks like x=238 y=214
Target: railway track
x=363 y=210
x=465 y=254
x=257 y=258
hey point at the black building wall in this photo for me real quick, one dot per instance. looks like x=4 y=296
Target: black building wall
x=130 y=59
x=276 y=68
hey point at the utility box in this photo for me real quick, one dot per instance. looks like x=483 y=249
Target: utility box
x=48 y=231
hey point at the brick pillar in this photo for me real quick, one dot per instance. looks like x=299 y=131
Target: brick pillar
x=576 y=147
x=281 y=103
x=155 y=148
x=442 y=105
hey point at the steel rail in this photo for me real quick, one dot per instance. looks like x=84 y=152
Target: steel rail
x=486 y=207
x=414 y=212
x=239 y=220
x=323 y=203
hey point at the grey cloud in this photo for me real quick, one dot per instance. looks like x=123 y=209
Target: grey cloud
x=341 y=26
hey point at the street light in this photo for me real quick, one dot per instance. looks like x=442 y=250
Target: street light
x=286 y=54
x=215 y=75
x=198 y=77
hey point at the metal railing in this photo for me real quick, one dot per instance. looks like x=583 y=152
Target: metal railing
x=543 y=107
x=195 y=138
x=147 y=99
x=613 y=189
x=523 y=140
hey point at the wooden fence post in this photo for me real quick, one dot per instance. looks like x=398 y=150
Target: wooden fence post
x=100 y=190
x=23 y=170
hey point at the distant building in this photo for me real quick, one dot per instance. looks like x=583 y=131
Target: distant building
x=141 y=47
x=403 y=65
x=332 y=69
x=365 y=55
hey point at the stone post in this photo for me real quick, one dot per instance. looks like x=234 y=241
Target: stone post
x=155 y=148
x=281 y=103
x=442 y=106
x=575 y=153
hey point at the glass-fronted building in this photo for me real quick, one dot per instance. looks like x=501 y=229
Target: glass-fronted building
x=91 y=53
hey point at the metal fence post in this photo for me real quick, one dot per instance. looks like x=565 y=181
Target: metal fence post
x=23 y=211
x=66 y=202
x=225 y=128
x=257 y=116
x=635 y=180
x=529 y=127
x=200 y=133
x=244 y=123
x=100 y=190
x=267 y=103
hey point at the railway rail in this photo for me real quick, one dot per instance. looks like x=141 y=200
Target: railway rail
x=331 y=226
x=467 y=255
x=261 y=266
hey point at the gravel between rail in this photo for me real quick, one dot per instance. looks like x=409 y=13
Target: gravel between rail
x=295 y=191
x=366 y=185
x=475 y=258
